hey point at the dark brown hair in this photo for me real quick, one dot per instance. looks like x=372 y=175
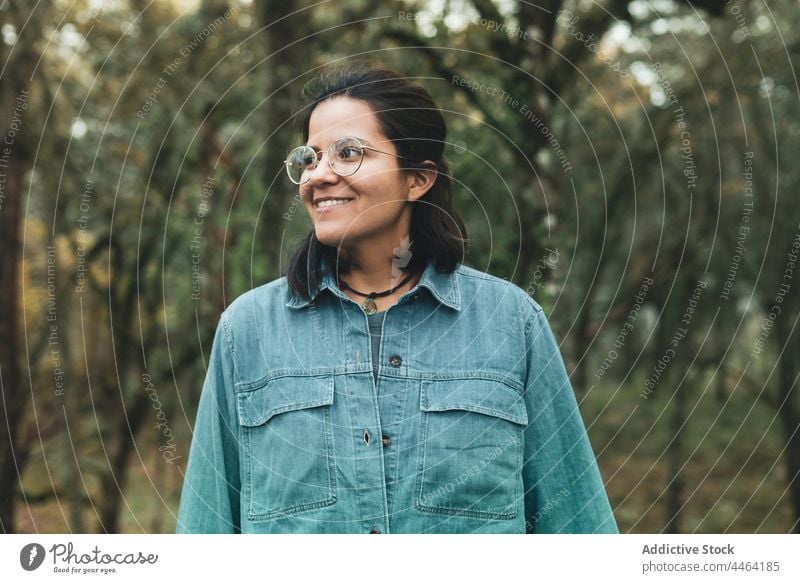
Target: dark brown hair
x=409 y=117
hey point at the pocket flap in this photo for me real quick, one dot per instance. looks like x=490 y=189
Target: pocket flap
x=282 y=394
x=484 y=396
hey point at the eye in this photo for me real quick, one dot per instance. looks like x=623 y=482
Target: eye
x=348 y=153
x=303 y=157
x=347 y=150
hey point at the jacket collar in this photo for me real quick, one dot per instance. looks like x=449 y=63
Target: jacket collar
x=443 y=286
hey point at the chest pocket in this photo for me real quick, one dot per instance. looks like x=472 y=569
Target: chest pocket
x=287 y=445
x=469 y=459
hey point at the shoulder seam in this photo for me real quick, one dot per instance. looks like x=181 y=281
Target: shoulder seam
x=482 y=275
x=534 y=304
x=468 y=271
x=264 y=287
x=226 y=329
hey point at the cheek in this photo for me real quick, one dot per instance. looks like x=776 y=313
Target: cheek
x=380 y=186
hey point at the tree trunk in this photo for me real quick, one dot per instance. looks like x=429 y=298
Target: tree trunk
x=113 y=481
x=14 y=164
x=12 y=395
x=788 y=372
x=285 y=58
x=675 y=457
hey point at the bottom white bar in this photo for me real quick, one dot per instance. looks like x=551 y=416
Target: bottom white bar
x=416 y=558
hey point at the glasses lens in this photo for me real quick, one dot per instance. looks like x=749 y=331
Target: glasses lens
x=346 y=156
x=299 y=163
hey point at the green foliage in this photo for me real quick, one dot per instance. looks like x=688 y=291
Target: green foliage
x=144 y=105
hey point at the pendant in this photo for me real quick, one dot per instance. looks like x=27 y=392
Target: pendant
x=369 y=306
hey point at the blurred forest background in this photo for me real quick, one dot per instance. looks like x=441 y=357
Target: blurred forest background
x=631 y=164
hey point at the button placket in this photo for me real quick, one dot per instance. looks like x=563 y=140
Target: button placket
x=393 y=343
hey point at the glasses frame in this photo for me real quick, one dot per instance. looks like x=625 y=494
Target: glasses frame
x=329 y=150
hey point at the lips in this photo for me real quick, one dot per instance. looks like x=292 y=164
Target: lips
x=330 y=202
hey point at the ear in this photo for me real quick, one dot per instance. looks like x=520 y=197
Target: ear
x=421 y=181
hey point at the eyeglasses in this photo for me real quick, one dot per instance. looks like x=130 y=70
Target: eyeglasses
x=345 y=156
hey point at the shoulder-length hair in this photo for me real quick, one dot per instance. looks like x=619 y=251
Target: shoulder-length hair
x=409 y=117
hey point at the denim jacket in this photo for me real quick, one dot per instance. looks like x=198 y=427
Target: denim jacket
x=472 y=426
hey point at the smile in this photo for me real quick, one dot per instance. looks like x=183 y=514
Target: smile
x=332 y=203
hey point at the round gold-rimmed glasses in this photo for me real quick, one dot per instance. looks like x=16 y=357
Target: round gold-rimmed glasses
x=345 y=156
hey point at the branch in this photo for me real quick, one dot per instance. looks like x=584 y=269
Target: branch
x=543 y=16
x=43 y=497
x=594 y=22
x=411 y=40
x=713 y=7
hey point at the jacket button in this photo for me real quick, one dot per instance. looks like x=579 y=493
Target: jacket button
x=385 y=440
x=375 y=530
x=395 y=360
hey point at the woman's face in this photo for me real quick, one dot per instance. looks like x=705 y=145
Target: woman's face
x=379 y=192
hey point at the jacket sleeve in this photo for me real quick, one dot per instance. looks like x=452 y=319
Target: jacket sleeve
x=210 y=498
x=564 y=492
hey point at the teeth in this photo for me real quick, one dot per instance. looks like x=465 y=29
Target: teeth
x=332 y=202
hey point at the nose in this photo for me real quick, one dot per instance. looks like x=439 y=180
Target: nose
x=323 y=173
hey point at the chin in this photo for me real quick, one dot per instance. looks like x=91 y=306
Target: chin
x=328 y=237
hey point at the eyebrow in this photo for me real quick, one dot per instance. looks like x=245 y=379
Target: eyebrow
x=318 y=149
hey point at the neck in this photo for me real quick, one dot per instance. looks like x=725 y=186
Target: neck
x=376 y=272
x=372 y=273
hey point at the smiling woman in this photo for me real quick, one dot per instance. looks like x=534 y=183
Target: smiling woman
x=433 y=400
